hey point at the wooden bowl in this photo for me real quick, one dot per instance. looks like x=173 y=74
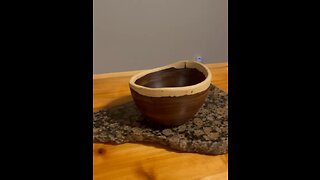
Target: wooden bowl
x=172 y=94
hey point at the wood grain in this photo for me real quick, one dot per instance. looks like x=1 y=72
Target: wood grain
x=141 y=161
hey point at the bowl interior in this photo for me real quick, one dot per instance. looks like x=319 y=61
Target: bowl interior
x=172 y=77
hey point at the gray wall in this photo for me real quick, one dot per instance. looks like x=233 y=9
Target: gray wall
x=142 y=34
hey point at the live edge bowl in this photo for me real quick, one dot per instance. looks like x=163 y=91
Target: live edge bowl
x=171 y=95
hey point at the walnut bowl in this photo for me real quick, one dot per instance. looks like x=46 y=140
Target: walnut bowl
x=171 y=95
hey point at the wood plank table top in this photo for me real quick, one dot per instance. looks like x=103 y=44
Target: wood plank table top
x=149 y=161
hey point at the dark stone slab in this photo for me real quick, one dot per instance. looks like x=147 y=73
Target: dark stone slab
x=206 y=133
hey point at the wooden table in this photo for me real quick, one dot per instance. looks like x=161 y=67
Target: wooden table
x=137 y=161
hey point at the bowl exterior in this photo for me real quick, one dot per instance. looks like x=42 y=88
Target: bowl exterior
x=169 y=111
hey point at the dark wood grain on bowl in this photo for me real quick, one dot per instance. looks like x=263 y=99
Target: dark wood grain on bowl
x=169 y=111
x=171 y=77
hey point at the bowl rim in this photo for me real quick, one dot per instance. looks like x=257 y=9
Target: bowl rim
x=173 y=91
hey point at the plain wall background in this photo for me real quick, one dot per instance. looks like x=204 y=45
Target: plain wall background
x=143 y=34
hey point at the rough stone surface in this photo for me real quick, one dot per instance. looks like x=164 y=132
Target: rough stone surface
x=206 y=133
